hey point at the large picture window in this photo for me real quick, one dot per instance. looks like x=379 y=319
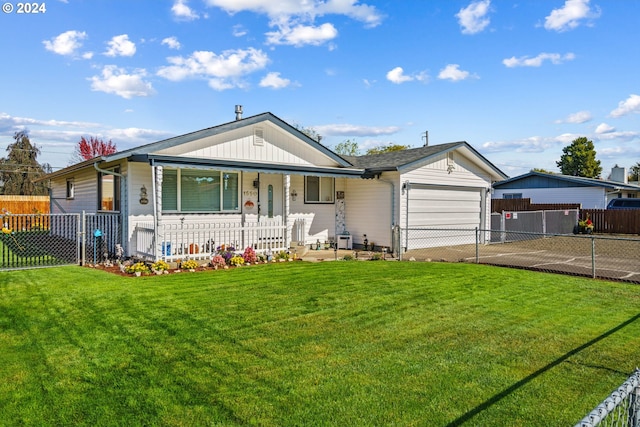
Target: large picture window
x=193 y=190
x=109 y=191
x=318 y=189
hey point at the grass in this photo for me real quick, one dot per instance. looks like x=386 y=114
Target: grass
x=317 y=344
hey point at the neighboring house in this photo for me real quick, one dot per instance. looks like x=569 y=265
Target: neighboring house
x=260 y=182
x=542 y=187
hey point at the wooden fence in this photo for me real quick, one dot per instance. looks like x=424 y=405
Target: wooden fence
x=611 y=221
x=24 y=204
x=614 y=221
x=515 y=205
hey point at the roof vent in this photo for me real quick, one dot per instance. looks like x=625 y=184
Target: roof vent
x=238 y=112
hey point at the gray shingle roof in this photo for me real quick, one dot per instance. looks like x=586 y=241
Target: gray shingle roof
x=395 y=159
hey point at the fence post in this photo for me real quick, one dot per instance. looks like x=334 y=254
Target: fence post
x=477 y=245
x=593 y=257
x=83 y=236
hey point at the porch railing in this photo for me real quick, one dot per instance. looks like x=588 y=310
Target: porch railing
x=199 y=241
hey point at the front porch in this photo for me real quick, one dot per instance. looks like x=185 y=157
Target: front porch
x=174 y=241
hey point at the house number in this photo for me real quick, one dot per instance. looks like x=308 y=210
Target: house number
x=249 y=193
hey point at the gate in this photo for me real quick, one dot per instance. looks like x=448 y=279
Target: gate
x=46 y=240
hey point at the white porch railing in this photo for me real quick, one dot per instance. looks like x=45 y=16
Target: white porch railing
x=199 y=241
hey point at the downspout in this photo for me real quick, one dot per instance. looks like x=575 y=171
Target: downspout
x=123 y=206
x=406 y=186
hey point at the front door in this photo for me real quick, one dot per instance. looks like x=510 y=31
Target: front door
x=271 y=200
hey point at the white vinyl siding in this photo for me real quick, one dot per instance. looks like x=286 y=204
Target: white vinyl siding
x=589 y=197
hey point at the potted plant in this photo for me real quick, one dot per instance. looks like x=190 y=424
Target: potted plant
x=159 y=267
x=138 y=268
x=189 y=264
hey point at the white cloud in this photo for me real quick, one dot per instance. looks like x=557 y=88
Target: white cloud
x=355 y=130
x=172 y=42
x=397 y=76
x=604 y=128
x=569 y=16
x=294 y=20
x=576 y=118
x=239 y=30
x=283 y=10
x=120 y=46
x=182 y=11
x=454 y=73
x=534 y=144
x=223 y=71
x=473 y=18
x=274 y=81
x=66 y=43
x=9 y=122
x=628 y=106
x=301 y=35
x=116 y=81
x=525 y=61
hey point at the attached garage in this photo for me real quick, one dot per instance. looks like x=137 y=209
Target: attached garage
x=430 y=206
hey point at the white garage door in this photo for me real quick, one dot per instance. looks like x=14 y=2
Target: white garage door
x=442 y=207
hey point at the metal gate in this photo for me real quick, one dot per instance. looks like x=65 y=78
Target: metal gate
x=46 y=240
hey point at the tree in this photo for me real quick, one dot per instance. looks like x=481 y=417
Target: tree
x=310 y=132
x=93 y=147
x=579 y=159
x=635 y=172
x=21 y=168
x=386 y=148
x=347 y=148
x=541 y=170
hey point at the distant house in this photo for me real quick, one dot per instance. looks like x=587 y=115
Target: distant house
x=556 y=188
x=260 y=182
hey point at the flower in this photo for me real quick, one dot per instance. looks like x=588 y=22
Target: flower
x=218 y=261
x=138 y=267
x=249 y=255
x=236 y=260
x=189 y=264
x=160 y=266
x=6 y=230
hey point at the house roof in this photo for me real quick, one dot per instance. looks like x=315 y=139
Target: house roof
x=535 y=179
x=366 y=166
x=404 y=159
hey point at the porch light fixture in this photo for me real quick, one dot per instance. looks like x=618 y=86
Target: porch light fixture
x=256 y=183
x=294 y=195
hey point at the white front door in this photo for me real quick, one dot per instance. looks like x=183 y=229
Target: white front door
x=271 y=200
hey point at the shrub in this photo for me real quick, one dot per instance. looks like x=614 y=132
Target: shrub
x=376 y=257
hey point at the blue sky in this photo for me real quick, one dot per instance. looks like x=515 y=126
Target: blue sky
x=518 y=80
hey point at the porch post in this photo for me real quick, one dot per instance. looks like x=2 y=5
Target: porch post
x=157 y=210
x=285 y=214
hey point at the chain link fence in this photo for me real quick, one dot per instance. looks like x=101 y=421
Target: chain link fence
x=44 y=240
x=604 y=257
x=621 y=408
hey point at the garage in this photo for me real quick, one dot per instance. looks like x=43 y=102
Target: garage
x=450 y=207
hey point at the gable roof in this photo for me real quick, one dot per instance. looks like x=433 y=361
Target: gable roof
x=404 y=159
x=536 y=179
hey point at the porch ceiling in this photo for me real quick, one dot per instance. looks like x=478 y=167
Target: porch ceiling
x=234 y=165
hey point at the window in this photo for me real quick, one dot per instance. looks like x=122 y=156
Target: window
x=318 y=189
x=109 y=190
x=70 y=189
x=512 y=196
x=193 y=190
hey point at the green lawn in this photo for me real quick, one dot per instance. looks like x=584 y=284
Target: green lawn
x=312 y=344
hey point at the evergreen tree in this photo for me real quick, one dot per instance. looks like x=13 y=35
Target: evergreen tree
x=579 y=159
x=635 y=172
x=20 y=168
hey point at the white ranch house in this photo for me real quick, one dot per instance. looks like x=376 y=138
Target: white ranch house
x=262 y=183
